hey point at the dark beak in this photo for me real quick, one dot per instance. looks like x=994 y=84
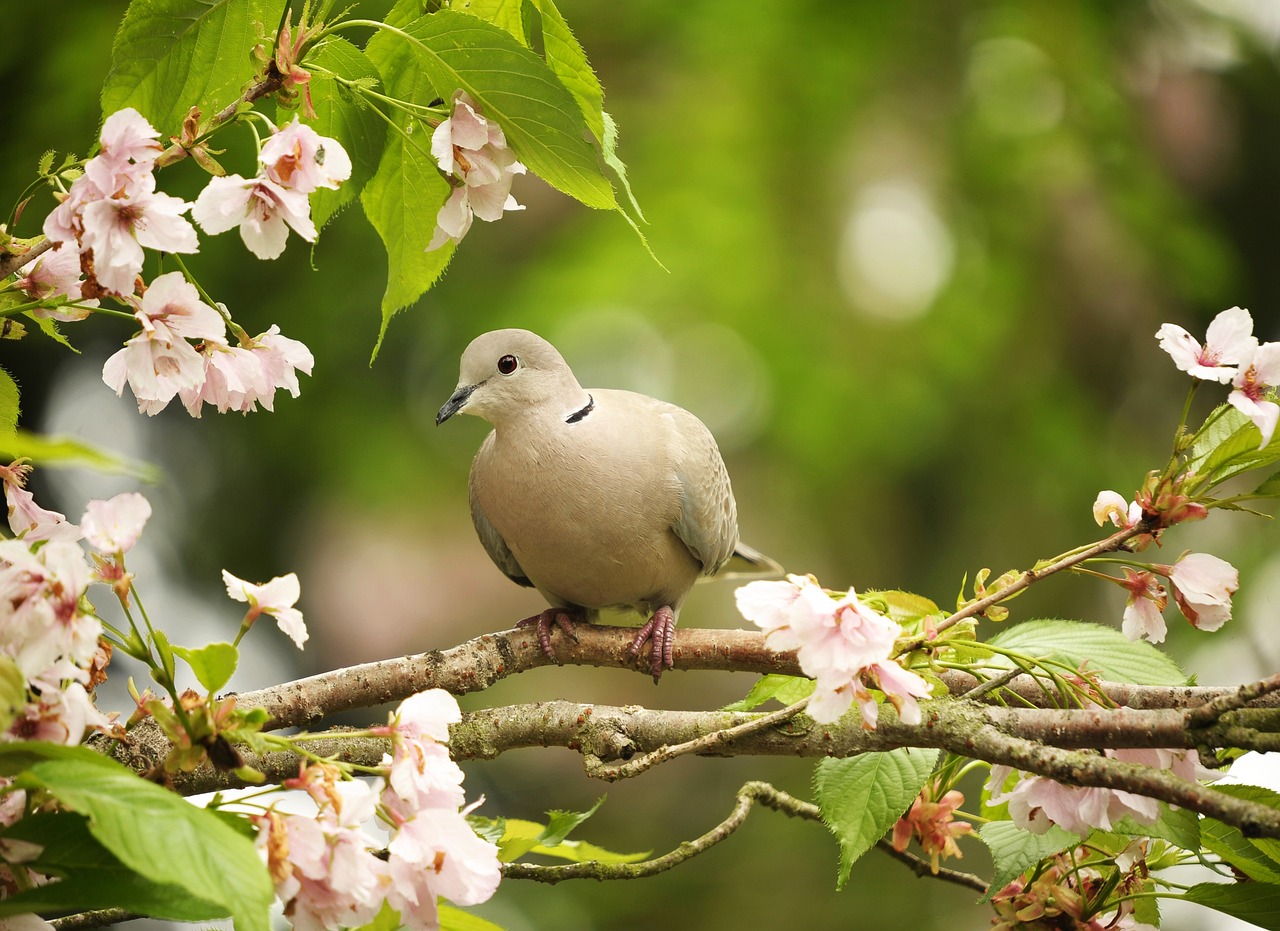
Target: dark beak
x=455 y=403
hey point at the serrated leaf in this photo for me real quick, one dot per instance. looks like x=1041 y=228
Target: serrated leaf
x=407 y=190
x=568 y=61
x=194 y=850
x=1178 y=826
x=862 y=797
x=455 y=919
x=505 y=14
x=1015 y=850
x=1270 y=487
x=214 y=663
x=90 y=877
x=561 y=823
x=512 y=85
x=9 y=407
x=522 y=837
x=343 y=116
x=45 y=165
x=785 y=689
x=1233 y=847
x=1256 y=903
x=609 y=152
x=1108 y=652
x=171 y=54
x=67 y=451
x=13 y=692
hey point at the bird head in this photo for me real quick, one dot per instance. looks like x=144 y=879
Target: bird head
x=506 y=374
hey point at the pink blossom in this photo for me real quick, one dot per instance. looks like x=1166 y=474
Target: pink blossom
x=59 y=715
x=26 y=518
x=454 y=862
x=472 y=149
x=116 y=228
x=41 y=623
x=275 y=598
x=113 y=526
x=1143 y=613
x=1229 y=343
x=931 y=820
x=1251 y=383
x=263 y=209
x=300 y=159
x=52 y=275
x=840 y=642
x=1202 y=586
x=238 y=378
x=1111 y=505
x=129 y=150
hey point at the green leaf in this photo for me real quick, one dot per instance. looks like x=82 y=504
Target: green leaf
x=1178 y=826
x=406 y=192
x=505 y=14
x=609 y=152
x=1269 y=846
x=193 y=849
x=1228 y=843
x=455 y=919
x=68 y=451
x=49 y=327
x=1270 y=488
x=561 y=823
x=906 y=608
x=1015 y=850
x=213 y=664
x=171 y=54
x=9 y=407
x=1256 y=903
x=1108 y=652
x=344 y=115
x=90 y=877
x=568 y=62
x=522 y=837
x=1231 y=445
x=13 y=692
x=512 y=85
x=862 y=797
x=786 y=689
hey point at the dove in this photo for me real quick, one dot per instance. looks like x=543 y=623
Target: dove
x=598 y=498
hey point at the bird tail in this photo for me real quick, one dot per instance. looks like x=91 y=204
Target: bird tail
x=747 y=563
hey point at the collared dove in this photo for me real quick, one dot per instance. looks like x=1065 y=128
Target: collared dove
x=599 y=498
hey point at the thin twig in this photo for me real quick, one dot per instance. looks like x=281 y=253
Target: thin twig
x=1211 y=711
x=10 y=262
x=704 y=744
x=95 y=919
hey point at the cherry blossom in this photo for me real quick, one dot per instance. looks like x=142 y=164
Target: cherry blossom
x=238 y=378
x=1143 y=613
x=26 y=518
x=113 y=526
x=1250 y=395
x=1111 y=505
x=129 y=150
x=275 y=598
x=1229 y=343
x=473 y=151
x=300 y=159
x=1202 y=587
x=116 y=228
x=931 y=821
x=261 y=208
x=52 y=275
x=840 y=642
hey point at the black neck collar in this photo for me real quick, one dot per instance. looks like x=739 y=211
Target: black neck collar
x=580 y=414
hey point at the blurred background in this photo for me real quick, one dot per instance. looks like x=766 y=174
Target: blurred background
x=915 y=257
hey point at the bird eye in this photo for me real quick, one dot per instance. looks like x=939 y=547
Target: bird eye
x=507 y=365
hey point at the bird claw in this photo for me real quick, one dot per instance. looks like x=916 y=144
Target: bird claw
x=661 y=629
x=543 y=621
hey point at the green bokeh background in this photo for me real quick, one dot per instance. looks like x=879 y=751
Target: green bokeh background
x=915 y=255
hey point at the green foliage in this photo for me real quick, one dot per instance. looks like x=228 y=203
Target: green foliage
x=214 y=663
x=785 y=689
x=344 y=115
x=169 y=55
x=1015 y=850
x=455 y=919
x=517 y=838
x=1178 y=826
x=47 y=450
x=9 y=407
x=195 y=851
x=862 y=797
x=1107 y=652
x=1256 y=903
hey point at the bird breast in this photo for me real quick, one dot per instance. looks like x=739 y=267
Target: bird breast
x=587 y=511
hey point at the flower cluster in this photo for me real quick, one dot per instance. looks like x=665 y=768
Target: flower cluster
x=1064 y=896
x=324 y=870
x=47 y=630
x=1035 y=802
x=1231 y=353
x=294 y=162
x=930 y=820
x=840 y=642
x=472 y=151
x=113 y=210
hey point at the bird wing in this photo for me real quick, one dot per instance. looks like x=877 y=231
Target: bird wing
x=708 y=518
x=492 y=541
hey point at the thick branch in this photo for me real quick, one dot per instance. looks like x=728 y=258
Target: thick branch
x=10 y=262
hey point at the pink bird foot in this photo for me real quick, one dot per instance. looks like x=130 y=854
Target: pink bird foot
x=561 y=617
x=661 y=629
